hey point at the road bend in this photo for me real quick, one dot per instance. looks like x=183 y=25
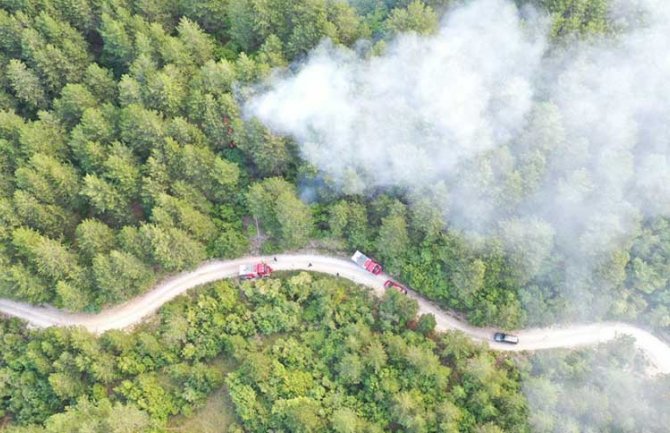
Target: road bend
x=126 y=315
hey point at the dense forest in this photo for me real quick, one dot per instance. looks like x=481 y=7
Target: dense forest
x=304 y=354
x=614 y=394
x=125 y=155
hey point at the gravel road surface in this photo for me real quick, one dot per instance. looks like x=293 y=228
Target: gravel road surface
x=125 y=315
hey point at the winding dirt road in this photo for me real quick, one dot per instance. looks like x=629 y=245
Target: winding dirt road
x=125 y=315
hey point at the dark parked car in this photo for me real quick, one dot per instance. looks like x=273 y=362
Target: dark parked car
x=501 y=337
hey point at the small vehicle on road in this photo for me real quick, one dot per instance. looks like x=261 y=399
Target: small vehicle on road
x=501 y=337
x=399 y=287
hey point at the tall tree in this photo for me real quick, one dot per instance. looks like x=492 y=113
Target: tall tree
x=273 y=202
x=120 y=275
x=26 y=85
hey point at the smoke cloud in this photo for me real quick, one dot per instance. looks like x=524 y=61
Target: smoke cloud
x=557 y=150
x=412 y=116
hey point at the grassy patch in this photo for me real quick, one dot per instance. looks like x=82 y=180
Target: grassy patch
x=215 y=416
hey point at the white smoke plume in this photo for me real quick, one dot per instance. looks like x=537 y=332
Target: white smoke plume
x=557 y=150
x=411 y=116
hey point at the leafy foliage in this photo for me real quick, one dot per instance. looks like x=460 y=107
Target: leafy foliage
x=584 y=17
x=615 y=393
x=120 y=158
x=124 y=155
x=308 y=354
